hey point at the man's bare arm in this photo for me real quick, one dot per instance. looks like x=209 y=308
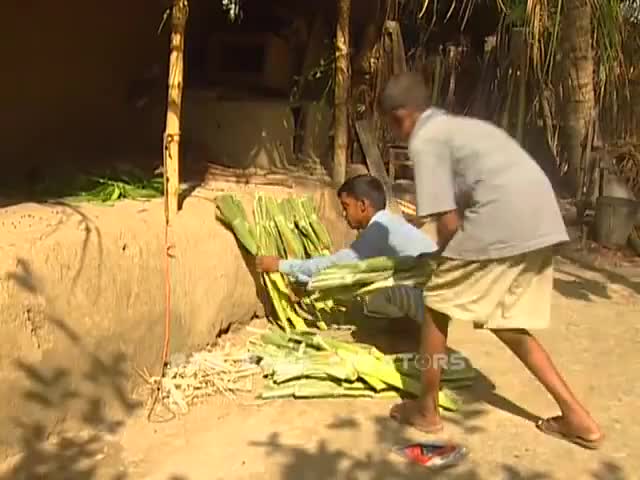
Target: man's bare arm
x=448 y=224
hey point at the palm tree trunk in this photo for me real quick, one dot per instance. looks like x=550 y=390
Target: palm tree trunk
x=342 y=89
x=578 y=99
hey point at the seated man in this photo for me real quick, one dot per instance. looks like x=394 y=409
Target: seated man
x=382 y=233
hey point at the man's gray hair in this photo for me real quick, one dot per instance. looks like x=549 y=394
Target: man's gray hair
x=405 y=90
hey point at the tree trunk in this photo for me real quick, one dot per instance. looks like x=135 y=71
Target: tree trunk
x=578 y=99
x=342 y=87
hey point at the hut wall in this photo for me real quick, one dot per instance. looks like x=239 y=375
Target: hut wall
x=69 y=70
x=82 y=295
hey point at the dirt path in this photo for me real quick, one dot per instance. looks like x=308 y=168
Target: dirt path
x=594 y=340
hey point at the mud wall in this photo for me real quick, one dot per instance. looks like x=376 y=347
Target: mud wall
x=82 y=301
x=238 y=134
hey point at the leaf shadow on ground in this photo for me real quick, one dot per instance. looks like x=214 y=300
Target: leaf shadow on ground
x=403 y=335
x=322 y=462
x=580 y=287
x=69 y=417
x=50 y=393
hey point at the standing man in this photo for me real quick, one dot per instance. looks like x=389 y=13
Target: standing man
x=498 y=220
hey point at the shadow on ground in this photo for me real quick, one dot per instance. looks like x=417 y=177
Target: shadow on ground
x=402 y=335
x=321 y=462
x=88 y=452
x=51 y=392
x=580 y=287
x=54 y=443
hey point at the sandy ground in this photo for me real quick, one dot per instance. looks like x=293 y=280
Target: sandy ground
x=594 y=339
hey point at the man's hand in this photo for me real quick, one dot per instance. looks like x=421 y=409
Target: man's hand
x=267 y=264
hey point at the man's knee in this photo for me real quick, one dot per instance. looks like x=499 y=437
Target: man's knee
x=513 y=337
x=436 y=316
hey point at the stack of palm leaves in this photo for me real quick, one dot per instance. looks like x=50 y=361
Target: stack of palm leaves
x=304 y=364
x=366 y=276
x=287 y=228
x=311 y=365
x=290 y=228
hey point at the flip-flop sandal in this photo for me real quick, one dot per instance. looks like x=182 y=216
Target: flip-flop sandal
x=404 y=420
x=549 y=426
x=433 y=455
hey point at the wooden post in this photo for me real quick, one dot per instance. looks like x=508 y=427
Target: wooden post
x=342 y=87
x=179 y=14
x=522 y=52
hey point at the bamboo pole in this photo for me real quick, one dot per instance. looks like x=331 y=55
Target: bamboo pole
x=506 y=113
x=452 y=63
x=342 y=87
x=523 y=61
x=171 y=158
x=437 y=80
x=179 y=14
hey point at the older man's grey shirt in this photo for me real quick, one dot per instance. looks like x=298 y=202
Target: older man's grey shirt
x=471 y=165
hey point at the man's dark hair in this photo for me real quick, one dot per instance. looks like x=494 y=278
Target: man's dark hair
x=365 y=187
x=406 y=90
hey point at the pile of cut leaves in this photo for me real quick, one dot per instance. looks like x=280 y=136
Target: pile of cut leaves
x=309 y=364
x=118 y=187
x=122 y=183
x=287 y=228
x=291 y=228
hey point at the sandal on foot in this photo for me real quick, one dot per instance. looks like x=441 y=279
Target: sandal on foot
x=402 y=413
x=551 y=427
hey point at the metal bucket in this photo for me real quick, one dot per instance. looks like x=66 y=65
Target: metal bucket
x=614 y=220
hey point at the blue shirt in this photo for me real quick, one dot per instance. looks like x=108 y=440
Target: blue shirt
x=387 y=235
